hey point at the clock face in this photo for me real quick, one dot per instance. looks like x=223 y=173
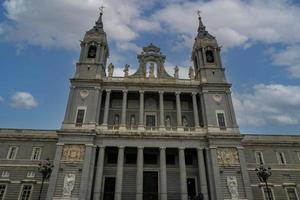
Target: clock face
x=210 y=56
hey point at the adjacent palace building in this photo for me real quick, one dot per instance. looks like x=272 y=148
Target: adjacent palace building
x=148 y=136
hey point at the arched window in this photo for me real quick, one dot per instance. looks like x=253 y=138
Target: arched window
x=210 y=56
x=92 y=51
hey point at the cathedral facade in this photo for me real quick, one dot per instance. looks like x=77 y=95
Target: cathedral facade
x=148 y=136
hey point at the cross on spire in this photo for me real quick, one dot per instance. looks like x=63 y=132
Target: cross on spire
x=199 y=13
x=101 y=9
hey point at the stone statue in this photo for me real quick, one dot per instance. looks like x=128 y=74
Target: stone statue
x=151 y=71
x=184 y=122
x=176 y=72
x=126 y=70
x=191 y=73
x=168 y=122
x=132 y=121
x=111 y=68
x=69 y=183
x=233 y=187
x=116 y=120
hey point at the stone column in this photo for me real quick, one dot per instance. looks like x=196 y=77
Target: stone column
x=203 y=109
x=163 y=174
x=119 y=174
x=141 y=117
x=99 y=174
x=139 y=173
x=178 y=108
x=161 y=111
x=202 y=173
x=216 y=174
x=124 y=108
x=84 y=181
x=86 y=50
x=245 y=174
x=98 y=105
x=182 y=169
x=54 y=174
x=195 y=107
x=106 y=109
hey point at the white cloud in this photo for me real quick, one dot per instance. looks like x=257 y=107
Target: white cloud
x=1 y=99
x=289 y=57
x=236 y=22
x=23 y=100
x=268 y=104
x=35 y=23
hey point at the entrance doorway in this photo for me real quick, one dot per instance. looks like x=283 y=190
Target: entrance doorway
x=150 y=186
x=191 y=187
x=109 y=188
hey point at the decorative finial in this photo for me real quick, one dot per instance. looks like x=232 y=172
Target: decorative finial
x=101 y=9
x=99 y=23
x=201 y=27
x=199 y=13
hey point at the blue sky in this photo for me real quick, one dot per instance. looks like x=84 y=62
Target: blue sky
x=39 y=45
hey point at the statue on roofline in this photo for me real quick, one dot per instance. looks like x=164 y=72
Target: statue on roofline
x=176 y=72
x=126 y=70
x=111 y=68
x=191 y=73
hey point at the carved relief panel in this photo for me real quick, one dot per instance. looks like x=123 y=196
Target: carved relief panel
x=228 y=157
x=73 y=152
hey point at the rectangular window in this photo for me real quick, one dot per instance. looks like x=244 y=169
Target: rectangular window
x=170 y=159
x=112 y=157
x=221 y=119
x=12 y=152
x=292 y=194
x=2 y=191
x=281 y=158
x=26 y=192
x=130 y=158
x=80 y=116
x=189 y=159
x=150 y=159
x=150 y=121
x=109 y=188
x=36 y=153
x=267 y=194
x=259 y=158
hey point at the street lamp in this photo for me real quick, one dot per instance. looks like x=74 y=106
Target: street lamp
x=45 y=168
x=263 y=175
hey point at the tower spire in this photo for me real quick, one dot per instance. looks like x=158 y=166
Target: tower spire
x=99 y=22
x=201 y=27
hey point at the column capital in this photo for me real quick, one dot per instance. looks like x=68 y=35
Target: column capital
x=200 y=148
x=177 y=93
x=161 y=92
x=194 y=93
x=125 y=91
x=141 y=91
x=162 y=148
x=98 y=88
x=140 y=147
x=108 y=90
x=60 y=144
x=121 y=147
x=181 y=148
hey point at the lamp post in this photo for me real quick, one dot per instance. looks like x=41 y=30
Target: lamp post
x=45 y=168
x=263 y=174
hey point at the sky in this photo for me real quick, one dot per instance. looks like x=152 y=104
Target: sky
x=260 y=39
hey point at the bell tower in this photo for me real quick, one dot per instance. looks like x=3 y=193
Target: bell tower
x=206 y=56
x=94 y=53
x=218 y=112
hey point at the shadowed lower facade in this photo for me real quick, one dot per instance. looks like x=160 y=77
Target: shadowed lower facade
x=148 y=135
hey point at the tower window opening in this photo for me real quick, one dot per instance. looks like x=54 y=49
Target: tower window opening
x=80 y=117
x=92 y=51
x=210 y=56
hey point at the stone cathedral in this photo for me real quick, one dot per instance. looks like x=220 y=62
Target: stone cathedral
x=148 y=135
